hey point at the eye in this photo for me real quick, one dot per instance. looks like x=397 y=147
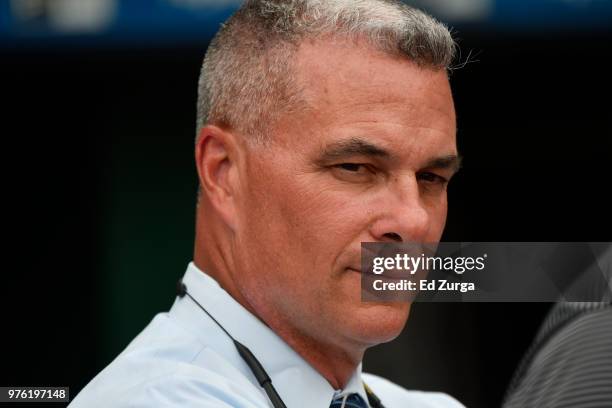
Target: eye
x=351 y=167
x=431 y=178
x=354 y=172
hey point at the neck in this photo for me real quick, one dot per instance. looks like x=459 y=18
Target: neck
x=336 y=362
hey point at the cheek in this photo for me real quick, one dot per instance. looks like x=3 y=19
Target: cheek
x=286 y=210
x=309 y=223
x=312 y=212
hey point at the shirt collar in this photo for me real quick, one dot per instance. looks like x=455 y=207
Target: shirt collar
x=296 y=381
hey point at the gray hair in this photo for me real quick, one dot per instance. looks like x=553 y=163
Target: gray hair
x=247 y=80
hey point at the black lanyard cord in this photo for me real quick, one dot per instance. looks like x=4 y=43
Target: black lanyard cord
x=373 y=400
x=249 y=358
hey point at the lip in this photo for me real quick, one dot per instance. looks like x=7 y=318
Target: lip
x=350 y=269
x=389 y=275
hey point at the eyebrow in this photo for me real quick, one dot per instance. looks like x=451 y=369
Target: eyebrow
x=359 y=147
x=351 y=147
x=451 y=161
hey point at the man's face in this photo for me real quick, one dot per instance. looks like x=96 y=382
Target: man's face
x=366 y=162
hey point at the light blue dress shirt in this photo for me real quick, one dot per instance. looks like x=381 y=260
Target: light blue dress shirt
x=183 y=359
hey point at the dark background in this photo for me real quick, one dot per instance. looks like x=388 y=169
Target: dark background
x=100 y=189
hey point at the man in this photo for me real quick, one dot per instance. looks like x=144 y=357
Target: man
x=321 y=125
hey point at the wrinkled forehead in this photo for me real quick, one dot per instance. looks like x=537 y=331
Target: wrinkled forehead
x=341 y=71
x=345 y=83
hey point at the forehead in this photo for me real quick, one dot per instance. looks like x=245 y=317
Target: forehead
x=349 y=84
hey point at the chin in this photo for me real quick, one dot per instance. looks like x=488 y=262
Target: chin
x=377 y=323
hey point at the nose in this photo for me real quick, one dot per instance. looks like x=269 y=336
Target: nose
x=403 y=218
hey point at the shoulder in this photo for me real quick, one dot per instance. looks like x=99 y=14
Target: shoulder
x=173 y=390
x=166 y=367
x=393 y=395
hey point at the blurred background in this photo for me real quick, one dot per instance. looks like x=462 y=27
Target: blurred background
x=99 y=181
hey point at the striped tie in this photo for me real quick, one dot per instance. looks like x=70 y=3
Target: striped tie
x=348 y=401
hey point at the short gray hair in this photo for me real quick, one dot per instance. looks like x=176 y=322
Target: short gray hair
x=246 y=79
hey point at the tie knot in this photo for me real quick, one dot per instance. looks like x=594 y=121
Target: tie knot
x=348 y=401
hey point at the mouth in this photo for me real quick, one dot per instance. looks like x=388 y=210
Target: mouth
x=359 y=271
x=390 y=275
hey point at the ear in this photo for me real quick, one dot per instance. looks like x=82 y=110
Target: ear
x=216 y=155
